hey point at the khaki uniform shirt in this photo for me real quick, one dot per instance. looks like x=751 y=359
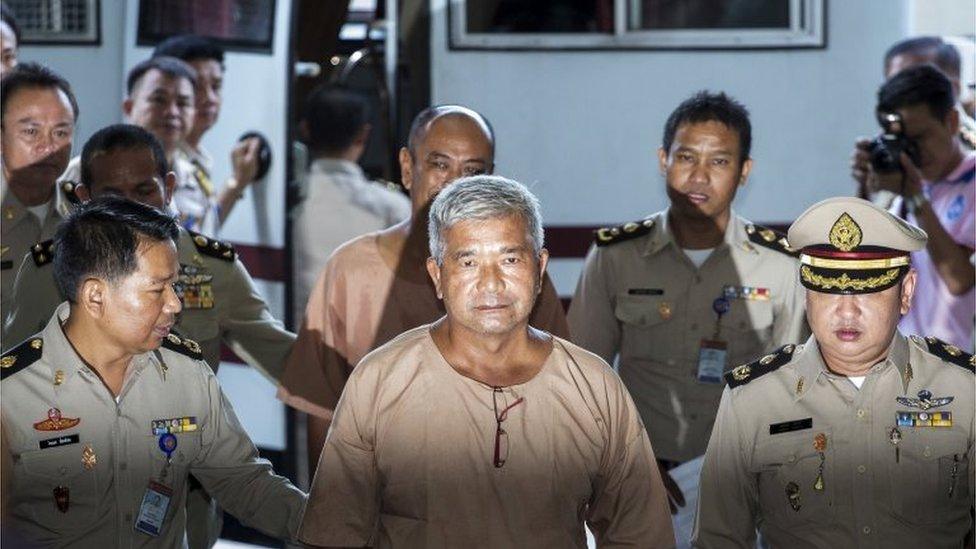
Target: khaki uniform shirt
x=19 y=230
x=409 y=460
x=220 y=305
x=359 y=304
x=643 y=301
x=100 y=456
x=339 y=205
x=873 y=495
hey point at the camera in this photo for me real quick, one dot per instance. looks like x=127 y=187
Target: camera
x=886 y=149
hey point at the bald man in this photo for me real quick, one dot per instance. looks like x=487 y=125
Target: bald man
x=376 y=286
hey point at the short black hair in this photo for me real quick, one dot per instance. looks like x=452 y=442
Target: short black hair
x=334 y=115
x=918 y=85
x=706 y=106
x=33 y=75
x=101 y=238
x=121 y=137
x=944 y=55
x=170 y=66
x=419 y=126
x=7 y=16
x=190 y=47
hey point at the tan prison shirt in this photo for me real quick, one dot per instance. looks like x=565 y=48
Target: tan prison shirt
x=409 y=460
x=79 y=481
x=641 y=299
x=221 y=305
x=916 y=493
x=359 y=304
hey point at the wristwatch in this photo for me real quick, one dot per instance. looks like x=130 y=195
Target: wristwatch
x=915 y=202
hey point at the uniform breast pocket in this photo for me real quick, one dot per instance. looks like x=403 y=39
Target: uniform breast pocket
x=172 y=471
x=58 y=491
x=794 y=482
x=644 y=322
x=199 y=325
x=930 y=481
x=750 y=328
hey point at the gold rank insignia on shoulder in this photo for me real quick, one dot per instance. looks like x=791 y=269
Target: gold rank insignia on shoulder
x=185 y=424
x=605 y=236
x=771 y=239
x=950 y=353
x=21 y=357
x=212 y=247
x=740 y=375
x=182 y=345
x=43 y=252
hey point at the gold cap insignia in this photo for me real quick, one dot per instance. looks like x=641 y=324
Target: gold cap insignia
x=845 y=235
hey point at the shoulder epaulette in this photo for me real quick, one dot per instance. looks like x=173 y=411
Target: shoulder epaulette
x=950 y=353
x=605 y=236
x=69 y=188
x=771 y=239
x=213 y=247
x=740 y=375
x=20 y=357
x=43 y=252
x=184 y=346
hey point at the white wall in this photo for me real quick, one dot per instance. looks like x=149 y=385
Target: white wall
x=583 y=126
x=94 y=72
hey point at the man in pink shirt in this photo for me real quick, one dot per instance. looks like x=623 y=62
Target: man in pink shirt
x=936 y=192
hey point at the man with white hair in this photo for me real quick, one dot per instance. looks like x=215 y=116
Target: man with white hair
x=479 y=429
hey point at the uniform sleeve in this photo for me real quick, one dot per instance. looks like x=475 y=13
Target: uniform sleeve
x=250 y=330
x=790 y=320
x=728 y=493
x=548 y=313
x=317 y=369
x=32 y=302
x=629 y=506
x=229 y=468
x=592 y=323
x=343 y=507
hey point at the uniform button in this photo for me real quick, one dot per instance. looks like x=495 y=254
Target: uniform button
x=866 y=530
x=861 y=469
x=860 y=413
x=927 y=452
x=670 y=362
x=697 y=279
x=791 y=459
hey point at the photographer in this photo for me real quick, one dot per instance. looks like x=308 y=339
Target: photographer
x=920 y=162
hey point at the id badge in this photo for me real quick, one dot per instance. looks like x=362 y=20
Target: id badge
x=152 y=512
x=711 y=360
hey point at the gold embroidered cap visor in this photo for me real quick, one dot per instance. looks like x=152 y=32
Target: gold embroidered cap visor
x=851 y=246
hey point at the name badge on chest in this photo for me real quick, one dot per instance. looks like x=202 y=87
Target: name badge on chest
x=195 y=287
x=711 y=354
x=155 y=502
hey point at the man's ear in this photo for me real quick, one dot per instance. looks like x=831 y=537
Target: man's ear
x=434 y=270
x=127 y=107
x=662 y=160
x=406 y=168
x=82 y=192
x=746 y=170
x=169 y=187
x=543 y=263
x=907 y=291
x=91 y=297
